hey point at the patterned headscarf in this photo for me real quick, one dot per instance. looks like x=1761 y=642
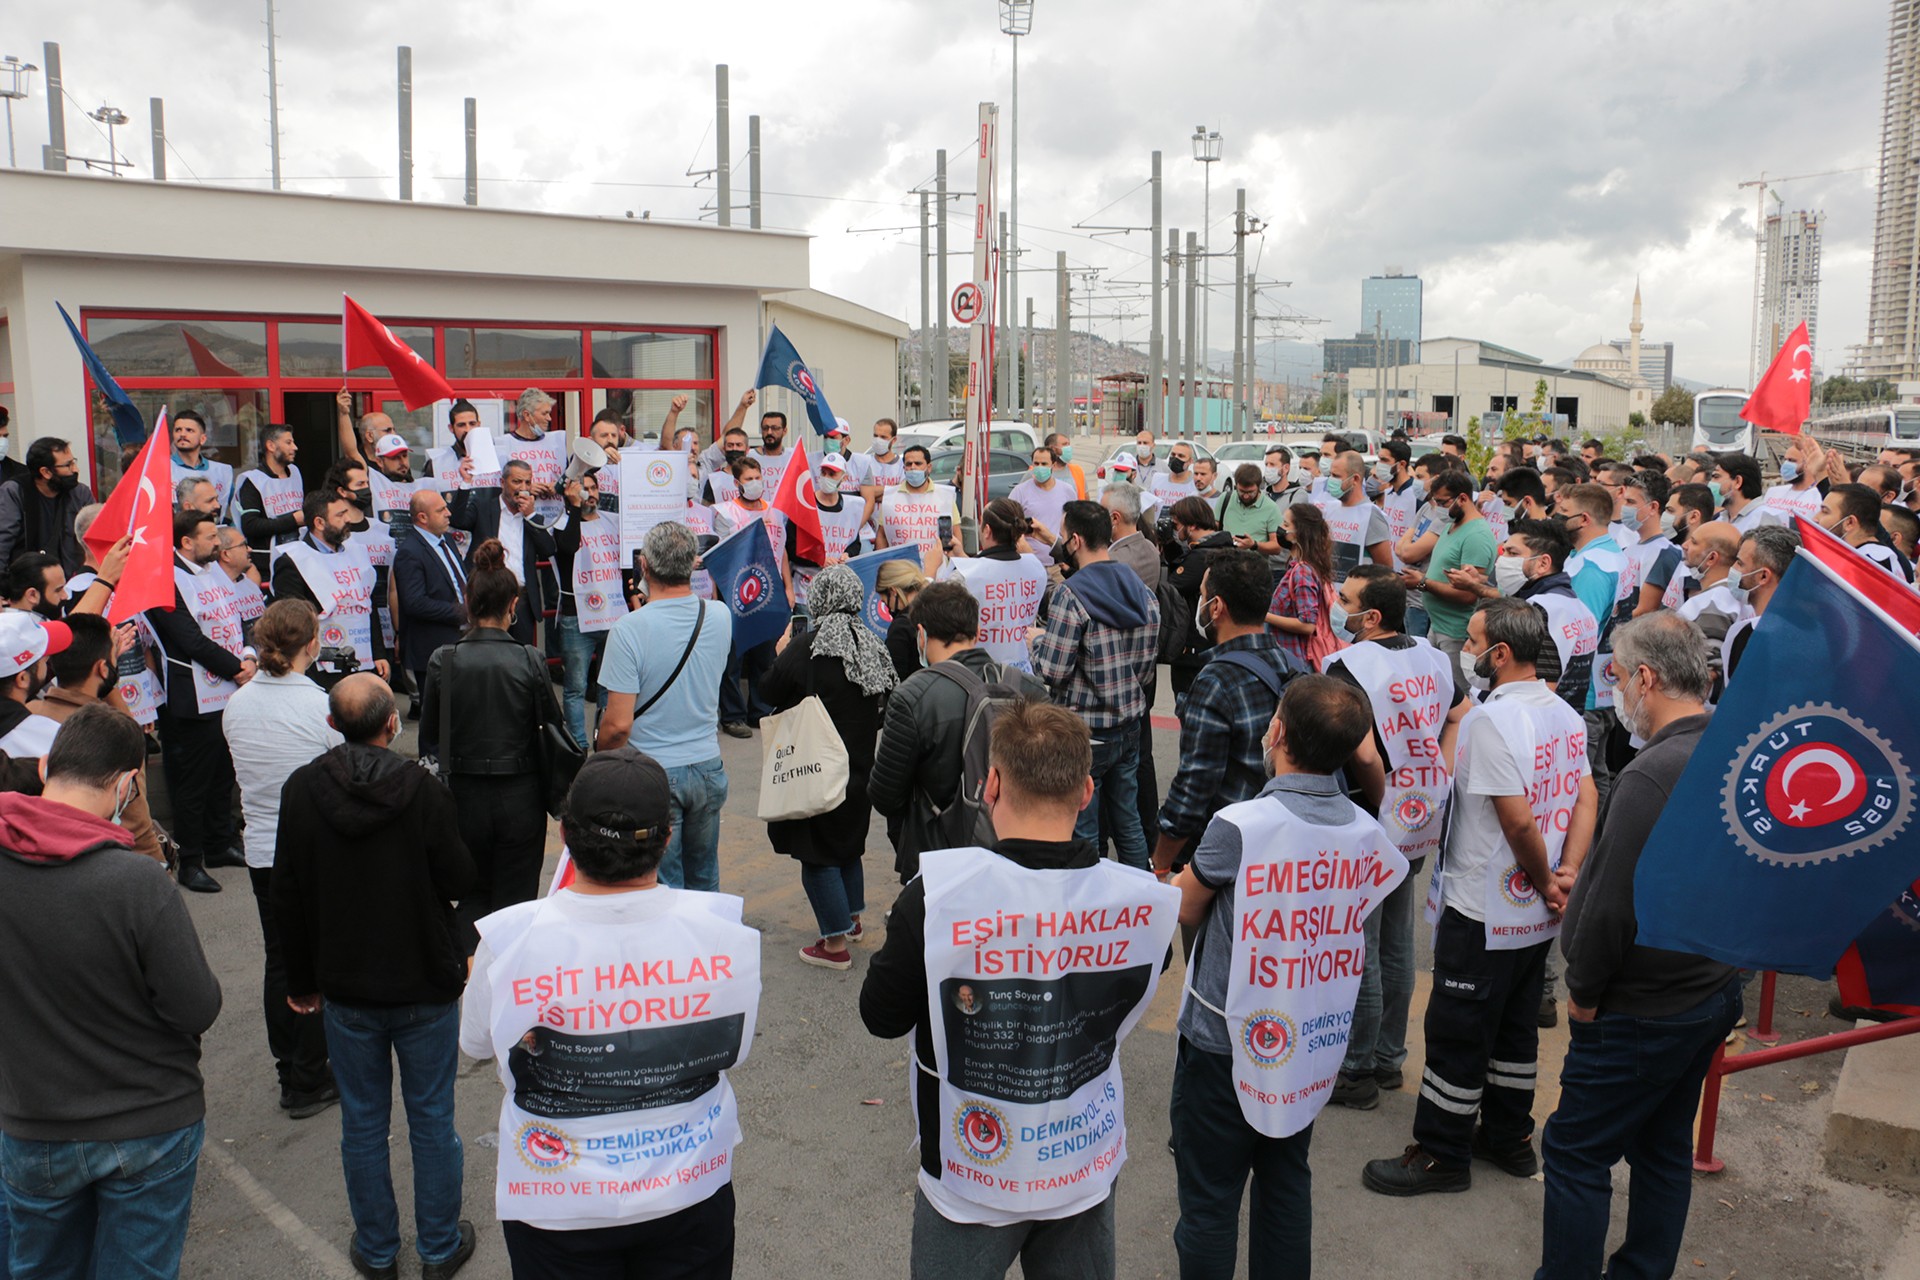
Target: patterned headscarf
x=836 y=599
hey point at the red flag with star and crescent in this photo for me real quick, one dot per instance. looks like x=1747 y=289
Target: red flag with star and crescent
x=364 y=341
x=1780 y=401
x=797 y=501
x=141 y=507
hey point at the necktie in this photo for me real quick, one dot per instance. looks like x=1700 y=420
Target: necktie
x=453 y=565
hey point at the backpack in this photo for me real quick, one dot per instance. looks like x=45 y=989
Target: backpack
x=964 y=821
x=1176 y=619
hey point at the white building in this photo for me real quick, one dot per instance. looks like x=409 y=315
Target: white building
x=229 y=302
x=1791 y=293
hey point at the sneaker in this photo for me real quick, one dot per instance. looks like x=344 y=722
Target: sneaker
x=1389 y=1077
x=1414 y=1173
x=819 y=955
x=442 y=1270
x=359 y=1260
x=736 y=729
x=1520 y=1161
x=1549 y=1012
x=1362 y=1093
x=858 y=931
x=305 y=1106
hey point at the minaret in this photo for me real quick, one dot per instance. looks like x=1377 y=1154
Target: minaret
x=1633 y=344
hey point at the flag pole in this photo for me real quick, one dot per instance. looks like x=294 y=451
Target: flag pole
x=981 y=328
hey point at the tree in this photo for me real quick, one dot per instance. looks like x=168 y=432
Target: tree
x=1674 y=408
x=1637 y=420
x=1328 y=405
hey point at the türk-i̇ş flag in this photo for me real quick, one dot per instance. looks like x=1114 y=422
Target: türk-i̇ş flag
x=798 y=501
x=1779 y=402
x=364 y=340
x=141 y=507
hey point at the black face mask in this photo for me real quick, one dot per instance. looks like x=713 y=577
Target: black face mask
x=364 y=499
x=734 y=455
x=64 y=483
x=1177 y=464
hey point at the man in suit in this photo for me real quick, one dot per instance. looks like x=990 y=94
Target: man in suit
x=505 y=513
x=430 y=584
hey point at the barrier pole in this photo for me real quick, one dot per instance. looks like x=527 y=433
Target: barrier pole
x=1764 y=1031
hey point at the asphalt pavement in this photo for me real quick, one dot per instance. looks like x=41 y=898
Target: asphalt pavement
x=825 y=1177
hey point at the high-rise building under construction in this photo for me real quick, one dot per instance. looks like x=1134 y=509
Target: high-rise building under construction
x=1791 y=289
x=1892 y=348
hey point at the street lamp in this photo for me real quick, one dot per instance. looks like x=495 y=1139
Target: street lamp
x=1016 y=20
x=14 y=75
x=112 y=117
x=1206 y=150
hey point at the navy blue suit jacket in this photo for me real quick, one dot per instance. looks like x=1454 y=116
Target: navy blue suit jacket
x=432 y=612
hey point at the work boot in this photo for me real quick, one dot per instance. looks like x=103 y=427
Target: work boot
x=1389 y=1077
x=194 y=876
x=1362 y=1093
x=1413 y=1172
x=1549 y=1012
x=1520 y=1161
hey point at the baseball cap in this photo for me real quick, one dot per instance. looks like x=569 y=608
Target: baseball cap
x=1122 y=461
x=833 y=462
x=25 y=639
x=389 y=446
x=621 y=794
x=839 y=427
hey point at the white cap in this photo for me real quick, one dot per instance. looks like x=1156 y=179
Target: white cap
x=25 y=639
x=1123 y=461
x=833 y=462
x=389 y=446
x=840 y=427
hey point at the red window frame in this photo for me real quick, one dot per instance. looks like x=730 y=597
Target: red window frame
x=276 y=385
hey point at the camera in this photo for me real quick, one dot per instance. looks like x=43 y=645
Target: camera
x=340 y=658
x=1163 y=531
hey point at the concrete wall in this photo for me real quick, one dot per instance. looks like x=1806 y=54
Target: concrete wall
x=1603 y=406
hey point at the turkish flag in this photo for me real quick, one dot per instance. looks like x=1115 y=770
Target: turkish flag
x=1780 y=401
x=364 y=340
x=141 y=507
x=797 y=501
x=1893 y=598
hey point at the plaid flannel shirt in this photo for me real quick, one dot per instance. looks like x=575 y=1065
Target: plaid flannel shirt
x=1223 y=718
x=1099 y=671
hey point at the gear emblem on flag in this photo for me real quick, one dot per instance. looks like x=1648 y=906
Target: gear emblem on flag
x=1814 y=784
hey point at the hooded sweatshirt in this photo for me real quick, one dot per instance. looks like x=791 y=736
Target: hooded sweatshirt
x=104 y=992
x=366 y=864
x=1099 y=636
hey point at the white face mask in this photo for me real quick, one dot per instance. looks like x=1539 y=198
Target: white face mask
x=915 y=477
x=1630 y=709
x=752 y=489
x=1383 y=472
x=827 y=486
x=1337 y=618
x=1202 y=616
x=1468 y=663
x=124 y=799
x=1510 y=574
x=1270 y=474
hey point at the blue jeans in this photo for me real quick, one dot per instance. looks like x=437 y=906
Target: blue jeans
x=692 y=859
x=1418 y=623
x=83 y=1209
x=578 y=649
x=363 y=1042
x=837 y=895
x=1628 y=1089
x=1116 y=790
x=1378 y=1041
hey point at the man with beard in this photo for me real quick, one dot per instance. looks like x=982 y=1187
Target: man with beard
x=266 y=501
x=37 y=509
x=339 y=581
x=189 y=438
x=35 y=583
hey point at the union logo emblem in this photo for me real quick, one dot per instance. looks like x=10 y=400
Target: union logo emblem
x=982 y=1132
x=1813 y=784
x=1269 y=1038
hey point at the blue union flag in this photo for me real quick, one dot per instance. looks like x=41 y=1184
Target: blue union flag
x=746 y=577
x=1792 y=826
x=781 y=366
x=867 y=568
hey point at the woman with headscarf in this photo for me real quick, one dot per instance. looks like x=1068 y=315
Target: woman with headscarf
x=847 y=666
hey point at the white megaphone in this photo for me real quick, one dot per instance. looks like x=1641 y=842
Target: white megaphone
x=587 y=458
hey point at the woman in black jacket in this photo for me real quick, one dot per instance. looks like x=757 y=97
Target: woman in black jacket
x=848 y=667
x=489 y=694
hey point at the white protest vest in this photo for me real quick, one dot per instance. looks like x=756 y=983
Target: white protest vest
x=1576 y=637
x=217 y=471
x=1554 y=739
x=548 y=458
x=598 y=596
x=700 y=520
x=609 y=478
x=1163 y=487
x=1009 y=592
x=1675 y=594
x=731 y=517
x=838 y=529
x=278 y=496
x=1034 y=977
x=1301 y=901
x=134 y=680
x=725 y=487
x=1348 y=527
x=343 y=585
x=613 y=1043
x=1399 y=508
x=393 y=501
x=773 y=467
x=1411 y=691
x=252 y=602
x=1787 y=502
x=913 y=520
x=216 y=609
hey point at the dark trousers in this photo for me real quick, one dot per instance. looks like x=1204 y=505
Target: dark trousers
x=1628 y=1090
x=298 y=1041
x=1214 y=1150
x=1483 y=1036
x=1148 y=788
x=199 y=774
x=693 y=1244
x=750 y=707
x=503 y=820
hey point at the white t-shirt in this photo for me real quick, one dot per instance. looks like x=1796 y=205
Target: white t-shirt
x=1488 y=769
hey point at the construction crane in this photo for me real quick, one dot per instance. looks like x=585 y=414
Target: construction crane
x=1765 y=185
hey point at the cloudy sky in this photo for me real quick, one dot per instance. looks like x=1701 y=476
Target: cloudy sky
x=1527 y=159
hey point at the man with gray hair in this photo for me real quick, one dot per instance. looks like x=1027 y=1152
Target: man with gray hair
x=1645 y=1022
x=662 y=672
x=1765 y=554
x=197 y=493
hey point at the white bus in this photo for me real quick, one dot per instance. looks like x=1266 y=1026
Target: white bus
x=1873 y=429
x=1717 y=424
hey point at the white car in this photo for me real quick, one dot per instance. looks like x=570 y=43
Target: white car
x=950 y=433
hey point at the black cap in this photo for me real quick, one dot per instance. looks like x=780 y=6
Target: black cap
x=621 y=794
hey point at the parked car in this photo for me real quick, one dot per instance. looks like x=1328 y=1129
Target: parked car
x=1005 y=469
x=949 y=433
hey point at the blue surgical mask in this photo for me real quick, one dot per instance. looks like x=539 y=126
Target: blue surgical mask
x=1336 y=487
x=1789 y=471
x=1066 y=453
x=1713 y=486
x=1042 y=474
x=916 y=476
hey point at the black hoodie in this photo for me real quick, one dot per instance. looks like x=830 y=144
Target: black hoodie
x=366 y=865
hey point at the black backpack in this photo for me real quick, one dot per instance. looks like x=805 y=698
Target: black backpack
x=964 y=821
x=1176 y=619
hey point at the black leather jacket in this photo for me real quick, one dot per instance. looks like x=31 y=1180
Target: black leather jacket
x=498 y=689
